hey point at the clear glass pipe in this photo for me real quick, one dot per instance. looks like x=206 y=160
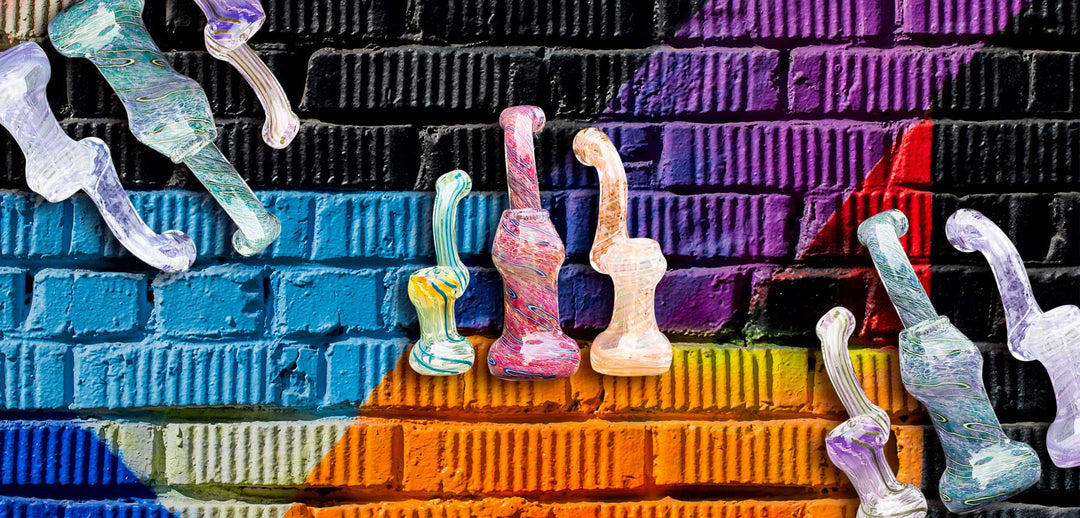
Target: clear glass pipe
x=857 y=445
x=632 y=345
x=166 y=111
x=528 y=253
x=1052 y=338
x=943 y=370
x=441 y=351
x=229 y=26
x=57 y=166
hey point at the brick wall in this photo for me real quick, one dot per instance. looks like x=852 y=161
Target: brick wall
x=756 y=134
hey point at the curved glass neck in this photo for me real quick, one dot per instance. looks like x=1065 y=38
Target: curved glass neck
x=881 y=235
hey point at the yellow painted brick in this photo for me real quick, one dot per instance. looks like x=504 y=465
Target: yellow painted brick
x=774 y=453
x=909 y=451
x=716 y=380
x=878 y=371
x=487 y=458
x=671 y=508
x=329 y=452
x=135 y=443
x=475 y=392
x=184 y=507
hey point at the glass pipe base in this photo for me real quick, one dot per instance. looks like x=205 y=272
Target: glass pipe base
x=538 y=356
x=997 y=472
x=442 y=357
x=909 y=502
x=619 y=354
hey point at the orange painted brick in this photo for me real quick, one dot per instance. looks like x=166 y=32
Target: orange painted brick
x=494 y=507
x=715 y=380
x=909 y=451
x=772 y=453
x=878 y=371
x=363 y=456
x=671 y=508
x=487 y=458
x=403 y=391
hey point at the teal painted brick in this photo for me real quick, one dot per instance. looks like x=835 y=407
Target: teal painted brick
x=320 y=300
x=32 y=375
x=219 y=301
x=30 y=226
x=296 y=211
x=82 y=303
x=168 y=374
x=12 y=297
x=356 y=366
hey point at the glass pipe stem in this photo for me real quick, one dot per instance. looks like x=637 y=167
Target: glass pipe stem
x=943 y=370
x=57 y=166
x=528 y=254
x=166 y=111
x=857 y=445
x=230 y=23
x=632 y=344
x=441 y=350
x=1052 y=338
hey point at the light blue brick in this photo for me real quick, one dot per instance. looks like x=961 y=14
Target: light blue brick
x=321 y=300
x=12 y=297
x=32 y=227
x=33 y=375
x=83 y=303
x=296 y=211
x=356 y=366
x=169 y=375
x=225 y=300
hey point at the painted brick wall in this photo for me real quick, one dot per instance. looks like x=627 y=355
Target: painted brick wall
x=757 y=135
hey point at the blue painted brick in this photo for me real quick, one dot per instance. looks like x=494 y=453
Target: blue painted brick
x=321 y=300
x=705 y=226
x=296 y=211
x=168 y=374
x=33 y=375
x=13 y=507
x=32 y=226
x=116 y=510
x=356 y=366
x=57 y=453
x=85 y=303
x=226 y=300
x=12 y=297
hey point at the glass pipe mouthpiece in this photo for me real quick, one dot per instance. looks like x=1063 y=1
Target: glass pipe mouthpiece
x=166 y=111
x=943 y=370
x=441 y=351
x=528 y=254
x=57 y=166
x=857 y=445
x=229 y=26
x=1052 y=338
x=632 y=344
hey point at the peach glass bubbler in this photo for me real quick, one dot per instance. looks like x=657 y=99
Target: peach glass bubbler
x=632 y=345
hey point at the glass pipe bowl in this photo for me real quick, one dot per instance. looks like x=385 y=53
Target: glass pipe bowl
x=856 y=446
x=1052 y=337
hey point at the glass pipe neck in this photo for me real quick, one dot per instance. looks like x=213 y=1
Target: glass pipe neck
x=519 y=123
x=449 y=191
x=834 y=329
x=881 y=235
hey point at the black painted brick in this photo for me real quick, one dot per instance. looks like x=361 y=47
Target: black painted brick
x=430 y=80
x=1025 y=155
x=542 y=22
x=994 y=81
x=1028 y=219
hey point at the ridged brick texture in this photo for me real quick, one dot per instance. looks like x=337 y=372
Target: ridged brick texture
x=756 y=136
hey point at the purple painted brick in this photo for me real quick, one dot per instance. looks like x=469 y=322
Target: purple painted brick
x=870 y=80
x=705 y=226
x=83 y=303
x=691 y=301
x=226 y=300
x=783 y=19
x=665 y=83
x=957 y=17
x=782 y=156
x=321 y=300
